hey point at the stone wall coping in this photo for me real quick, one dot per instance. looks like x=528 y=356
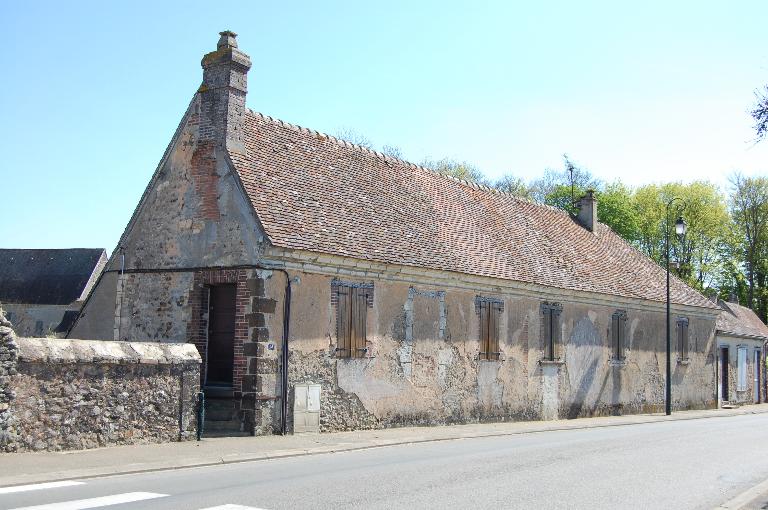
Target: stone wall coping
x=59 y=350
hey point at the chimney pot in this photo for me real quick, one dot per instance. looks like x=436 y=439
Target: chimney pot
x=227 y=40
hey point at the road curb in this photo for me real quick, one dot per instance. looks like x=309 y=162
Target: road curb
x=55 y=476
x=746 y=497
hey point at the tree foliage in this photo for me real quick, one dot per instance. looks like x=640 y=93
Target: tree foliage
x=459 y=169
x=759 y=113
x=508 y=183
x=749 y=220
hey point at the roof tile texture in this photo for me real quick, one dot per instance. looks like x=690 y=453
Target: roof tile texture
x=740 y=320
x=313 y=192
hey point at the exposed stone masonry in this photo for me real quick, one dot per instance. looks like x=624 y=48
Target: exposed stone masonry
x=8 y=361
x=73 y=394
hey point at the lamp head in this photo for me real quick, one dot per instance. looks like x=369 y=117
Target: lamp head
x=680 y=226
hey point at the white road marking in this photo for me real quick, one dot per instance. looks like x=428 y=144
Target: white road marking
x=38 y=486
x=231 y=507
x=81 y=504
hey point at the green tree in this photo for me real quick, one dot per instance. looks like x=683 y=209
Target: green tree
x=559 y=188
x=458 y=169
x=616 y=208
x=749 y=213
x=697 y=257
x=508 y=183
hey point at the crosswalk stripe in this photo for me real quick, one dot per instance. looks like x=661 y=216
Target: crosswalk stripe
x=231 y=507
x=82 y=504
x=38 y=486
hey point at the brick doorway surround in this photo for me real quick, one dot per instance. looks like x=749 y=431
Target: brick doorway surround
x=255 y=364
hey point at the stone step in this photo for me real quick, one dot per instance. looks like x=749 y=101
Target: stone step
x=222 y=426
x=220 y=410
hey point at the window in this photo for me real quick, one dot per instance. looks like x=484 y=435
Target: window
x=490 y=311
x=352 y=302
x=618 y=334
x=682 y=339
x=550 y=330
x=39 y=328
x=742 y=368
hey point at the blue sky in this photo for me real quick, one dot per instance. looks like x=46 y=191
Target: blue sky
x=642 y=92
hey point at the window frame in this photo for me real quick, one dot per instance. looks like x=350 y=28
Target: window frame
x=683 y=339
x=742 y=368
x=352 y=301
x=551 y=332
x=489 y=312
x=618 y=336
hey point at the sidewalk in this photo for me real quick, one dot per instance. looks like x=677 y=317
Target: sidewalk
x=28 y=468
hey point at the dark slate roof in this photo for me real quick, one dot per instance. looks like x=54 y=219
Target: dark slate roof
x=740 y=321
x=314 y=192
x=51 y=277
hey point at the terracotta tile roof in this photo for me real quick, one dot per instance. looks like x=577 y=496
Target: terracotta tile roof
x=314 y=192
x=740 y=320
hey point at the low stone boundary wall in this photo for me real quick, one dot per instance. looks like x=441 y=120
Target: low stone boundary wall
x=60 y=394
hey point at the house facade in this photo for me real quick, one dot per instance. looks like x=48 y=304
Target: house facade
x=330 y=287
x=741 y=340
x=42 y=290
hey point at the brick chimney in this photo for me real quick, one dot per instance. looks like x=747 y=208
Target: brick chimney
x=587 y=214
x=222 y=94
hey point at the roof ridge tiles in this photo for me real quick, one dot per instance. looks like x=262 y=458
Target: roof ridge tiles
x=395 y=159
x=465 y=234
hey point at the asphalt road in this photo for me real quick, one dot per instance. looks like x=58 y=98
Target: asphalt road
x=680 y=464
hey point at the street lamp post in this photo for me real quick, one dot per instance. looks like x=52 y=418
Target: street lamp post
x=680 y=231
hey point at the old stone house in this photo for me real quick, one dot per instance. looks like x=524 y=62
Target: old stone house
x=741 y=341
x=42 y=290
x=327 y=285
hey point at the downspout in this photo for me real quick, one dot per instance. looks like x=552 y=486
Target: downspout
x=285 y=353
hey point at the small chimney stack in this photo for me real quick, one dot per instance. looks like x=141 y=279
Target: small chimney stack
x=223 y=93
x=587 y=214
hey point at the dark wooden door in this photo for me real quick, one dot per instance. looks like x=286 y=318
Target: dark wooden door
x=724 y=373
x=221 y=335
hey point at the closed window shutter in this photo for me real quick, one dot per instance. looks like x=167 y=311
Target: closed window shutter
x=343 y=322
x=615 y=337
x=556 y=340
x=684 y=339
x=547 y=334
x=741 y=368
x=493 y=331
x=622 y=335
x=359 y=314
x=484 y=330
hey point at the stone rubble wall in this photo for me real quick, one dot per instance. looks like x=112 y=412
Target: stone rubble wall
x=60 y=394
x=8 y=363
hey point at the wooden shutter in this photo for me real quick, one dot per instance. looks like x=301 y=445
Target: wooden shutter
x=615 y=336
x=546 y=329
x=359 y=313
x=555 y=334
x=484 y=330
x=493 y=330
x=622 y=335
x=684 y=339
x=343 y=322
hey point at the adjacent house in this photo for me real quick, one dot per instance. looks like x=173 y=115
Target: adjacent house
x=42 y=290
x=741 y=342
x=331 y=287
